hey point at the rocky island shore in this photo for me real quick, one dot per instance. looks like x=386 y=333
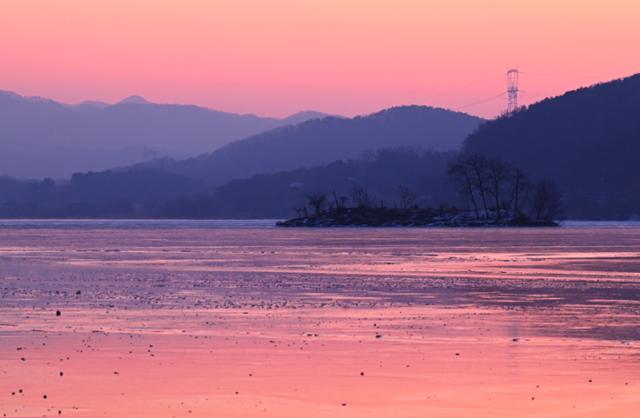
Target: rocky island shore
x=413 y=217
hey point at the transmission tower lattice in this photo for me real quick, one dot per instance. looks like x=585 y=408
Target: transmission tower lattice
x=513 y=79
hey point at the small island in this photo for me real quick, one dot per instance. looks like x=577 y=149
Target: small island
x=498 y=195
x=412 y=217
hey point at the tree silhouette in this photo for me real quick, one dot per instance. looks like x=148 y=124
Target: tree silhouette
x=407 y=197
x=546 y=203
x=317 y=202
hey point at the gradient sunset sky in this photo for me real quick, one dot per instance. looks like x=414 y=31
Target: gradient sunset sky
x=275 y=57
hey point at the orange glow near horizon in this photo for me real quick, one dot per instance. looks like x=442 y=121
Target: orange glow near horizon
x=341 y=56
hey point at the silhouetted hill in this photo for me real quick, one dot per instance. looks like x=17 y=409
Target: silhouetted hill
x=43 y=138
x=587 y=141
x=322 y=141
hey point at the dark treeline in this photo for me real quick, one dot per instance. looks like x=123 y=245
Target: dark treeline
x=94 y=195
x=158 y=194
x=497 y=190
x=399 y=179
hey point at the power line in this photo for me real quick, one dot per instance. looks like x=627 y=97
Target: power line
x=488 y=99
x=512 y=92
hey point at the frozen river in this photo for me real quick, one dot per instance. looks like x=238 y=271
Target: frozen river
x=238 y=319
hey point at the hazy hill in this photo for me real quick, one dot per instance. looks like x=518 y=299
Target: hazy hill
x=321 y=141
x=588 y=141
x=43 y=138
x=153 y=193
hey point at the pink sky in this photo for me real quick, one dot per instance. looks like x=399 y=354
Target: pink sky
x=275 y=57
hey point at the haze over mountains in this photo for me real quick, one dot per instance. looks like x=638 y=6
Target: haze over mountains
x=44 y=138
x=586 y=141
x=322 y=141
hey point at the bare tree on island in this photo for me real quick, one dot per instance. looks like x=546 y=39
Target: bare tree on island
x=360 y=197
x=302 y=210
x=546 y=203
x=317 y=202
x=339 y=202
x=520 y=186
x=497 y=174
x=478 y=167
x=407 y=197
x=462 y=175
x=507 y=186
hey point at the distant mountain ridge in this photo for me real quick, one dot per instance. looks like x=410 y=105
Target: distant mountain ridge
x=586 y=141
x=304 y=116
x=45 y=138
x=321 y=141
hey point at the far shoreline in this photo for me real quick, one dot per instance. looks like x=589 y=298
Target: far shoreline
x=265 y=223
